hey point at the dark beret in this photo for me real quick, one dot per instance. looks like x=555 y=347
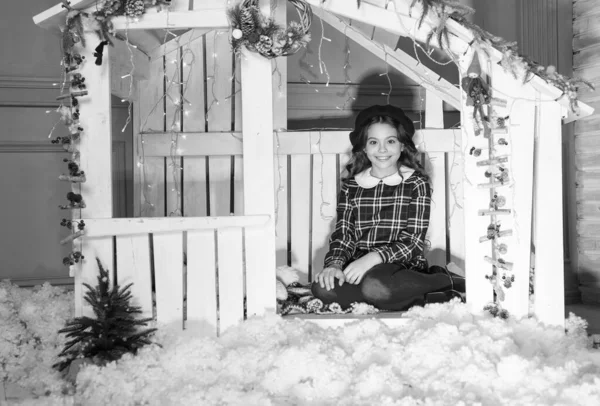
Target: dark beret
x=374 y=111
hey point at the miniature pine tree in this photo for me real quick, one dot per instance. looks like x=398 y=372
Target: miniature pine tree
x=112 y=333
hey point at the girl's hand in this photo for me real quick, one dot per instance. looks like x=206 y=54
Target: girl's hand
x=326 y=277
x=356 y=271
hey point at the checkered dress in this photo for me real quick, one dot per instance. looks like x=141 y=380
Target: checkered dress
x=389 y=220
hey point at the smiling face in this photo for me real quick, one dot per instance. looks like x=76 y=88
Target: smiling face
x=383 y=148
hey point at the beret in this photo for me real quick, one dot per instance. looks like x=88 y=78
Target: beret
x=388 y=110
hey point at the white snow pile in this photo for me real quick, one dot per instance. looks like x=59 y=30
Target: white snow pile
x=442 y=355
x=29 y=339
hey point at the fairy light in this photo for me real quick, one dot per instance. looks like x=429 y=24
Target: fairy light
x=322 y=65
x=387 y=75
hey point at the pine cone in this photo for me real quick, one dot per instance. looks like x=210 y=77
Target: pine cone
x=134 y=8
x=247 y=21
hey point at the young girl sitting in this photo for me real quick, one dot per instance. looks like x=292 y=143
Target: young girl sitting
x=376 y=251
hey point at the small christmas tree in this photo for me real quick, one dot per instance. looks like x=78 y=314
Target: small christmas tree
x=112 y=333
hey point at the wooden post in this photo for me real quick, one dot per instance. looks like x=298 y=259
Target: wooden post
x=436 y=168
x=259 y=183
x=479 y=291
x=95 y=148
x=549 y=305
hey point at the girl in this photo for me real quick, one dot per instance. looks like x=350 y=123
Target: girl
x=376 y=250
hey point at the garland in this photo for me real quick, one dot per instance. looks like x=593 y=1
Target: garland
x=73 y=35
x=250 y=28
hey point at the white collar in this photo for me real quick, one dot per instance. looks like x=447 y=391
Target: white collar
x=368 y=181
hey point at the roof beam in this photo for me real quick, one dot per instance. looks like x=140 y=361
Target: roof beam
x=55 y=17
x=399 y=60
x=213 y=18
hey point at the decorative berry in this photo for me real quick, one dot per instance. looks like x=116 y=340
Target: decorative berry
x=237 y=33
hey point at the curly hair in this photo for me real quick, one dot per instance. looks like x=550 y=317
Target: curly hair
x=409 y=156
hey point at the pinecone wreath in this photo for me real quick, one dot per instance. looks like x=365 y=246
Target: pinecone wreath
x=134 y=8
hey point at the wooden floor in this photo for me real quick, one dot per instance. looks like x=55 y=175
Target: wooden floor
x=336 y=320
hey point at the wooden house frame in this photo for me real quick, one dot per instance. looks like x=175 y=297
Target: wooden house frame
x=232 y=276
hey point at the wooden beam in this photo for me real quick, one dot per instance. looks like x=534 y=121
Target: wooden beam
x=290 y=142
x=95 y=147
x=54 y=17
x=182 y=40
x=95 y=228
x=398 y=59
x=175 y=20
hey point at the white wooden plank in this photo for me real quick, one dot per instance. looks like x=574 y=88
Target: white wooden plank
x=231 y=277
x=180 y=5
x=218 y=85
x=201 y=281
x=323 y=204
x=173 y=125
x=194 y=186
x=193 y=73
x=549 y=279
x=435 y=165
x=219 y=185
x=290 y=142
x=455 y=203
x=168 y=276
x=238 y=186
x=95 y=148
x=137 y=155
x=519 y=197
x=133 y=266
x=260 y=279
x=151 y=99
x=258 y=150
x=153 y=189
x=478 y=289
x=280 y=103
x=175 y=20
x=281 y=209
x=131 y=226
x=300 y=205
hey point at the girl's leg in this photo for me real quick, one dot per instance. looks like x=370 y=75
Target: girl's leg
x=392 y=287
x=344 y=295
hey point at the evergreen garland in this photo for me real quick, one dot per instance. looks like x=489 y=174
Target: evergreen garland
x=112 y=333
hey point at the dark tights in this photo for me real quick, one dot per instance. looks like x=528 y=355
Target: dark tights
x=388 y=287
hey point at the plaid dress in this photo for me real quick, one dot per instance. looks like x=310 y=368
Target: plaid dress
x=389 y=216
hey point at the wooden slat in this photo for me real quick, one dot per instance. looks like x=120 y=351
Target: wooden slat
x=133 y=266
x=168 y=276
x=290 y=142
x=175 y=20
x=455 y=203
x=201 y=281
x=129 y=226
x=153 y=189
x=549 y=279
x=219 y=71
x=194 y=186
x=260 y=279
x=151 y=104
x=300 y=206
x=180 y=5
x=173 y=124
x=281 y=209
x=193 y=73
x=436 y=167
x=238 y=185
x=323 y=204
x=231 y=277
x=219 y=185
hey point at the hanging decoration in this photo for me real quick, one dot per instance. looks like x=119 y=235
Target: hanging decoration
x=258 y=33
x=478 y=94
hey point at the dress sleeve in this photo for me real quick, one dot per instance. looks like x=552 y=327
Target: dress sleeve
x=342 y=242
x=412 y=239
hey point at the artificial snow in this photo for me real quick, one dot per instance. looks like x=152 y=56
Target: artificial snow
x=443 y=355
